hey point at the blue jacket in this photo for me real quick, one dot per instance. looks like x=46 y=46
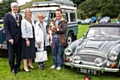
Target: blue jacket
x=13 y=31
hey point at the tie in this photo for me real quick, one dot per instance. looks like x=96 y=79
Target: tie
x=16 y=17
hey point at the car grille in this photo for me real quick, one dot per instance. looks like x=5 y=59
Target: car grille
x=90 y=58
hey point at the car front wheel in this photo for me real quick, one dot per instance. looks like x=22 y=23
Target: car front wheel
x=70 y=38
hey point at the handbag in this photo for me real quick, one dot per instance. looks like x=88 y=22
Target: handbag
x=41 y=56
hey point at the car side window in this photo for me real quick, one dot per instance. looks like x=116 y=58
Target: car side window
x=72 y=17
x=65 y=15
x=52 y=15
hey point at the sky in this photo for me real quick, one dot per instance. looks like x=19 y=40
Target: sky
x=21 y=2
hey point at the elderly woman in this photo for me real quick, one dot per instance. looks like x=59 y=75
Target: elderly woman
x=40 y=36
x=28 y=41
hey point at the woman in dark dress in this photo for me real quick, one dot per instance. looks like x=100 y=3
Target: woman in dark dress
x=28 y=41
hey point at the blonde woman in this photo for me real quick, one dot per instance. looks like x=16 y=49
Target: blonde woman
x=28 y=41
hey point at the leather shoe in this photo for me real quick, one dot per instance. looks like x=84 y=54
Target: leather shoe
x=18 y=70
x=13 y=71
x=26 y=71
x=30 y=67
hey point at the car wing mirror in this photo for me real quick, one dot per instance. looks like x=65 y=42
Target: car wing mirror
x=84 y=34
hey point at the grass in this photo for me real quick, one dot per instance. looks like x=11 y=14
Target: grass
x=48 y=74
x=1 y=25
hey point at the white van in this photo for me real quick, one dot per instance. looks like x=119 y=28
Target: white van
x=48 y=9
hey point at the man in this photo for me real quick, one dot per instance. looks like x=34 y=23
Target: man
x=12 y=23
x=59 y=40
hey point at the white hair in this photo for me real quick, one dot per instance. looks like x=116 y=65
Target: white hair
x=14 y=4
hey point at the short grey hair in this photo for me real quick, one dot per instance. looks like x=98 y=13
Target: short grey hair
x=14 y=4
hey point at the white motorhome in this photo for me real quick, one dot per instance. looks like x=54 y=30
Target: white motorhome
x=48 y=9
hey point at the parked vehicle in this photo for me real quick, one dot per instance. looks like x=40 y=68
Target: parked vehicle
x=105 y=19
x=1 y=20
x=97 y=52
x=79 y=21
x=86 y=21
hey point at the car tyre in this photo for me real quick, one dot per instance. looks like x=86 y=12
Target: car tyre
x=70 y=38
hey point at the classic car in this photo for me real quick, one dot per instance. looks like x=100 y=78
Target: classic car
x=86 y=21
x=97 y=52
x=105 y=19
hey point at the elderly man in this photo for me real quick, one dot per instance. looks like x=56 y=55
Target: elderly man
x=59 y=40
x=12 y=26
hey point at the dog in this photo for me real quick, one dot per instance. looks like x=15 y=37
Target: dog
x=51 y=28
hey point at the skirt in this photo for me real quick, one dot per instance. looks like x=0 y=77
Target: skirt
x=28 y=52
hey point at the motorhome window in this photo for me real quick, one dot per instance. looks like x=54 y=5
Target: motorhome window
x=72 y=17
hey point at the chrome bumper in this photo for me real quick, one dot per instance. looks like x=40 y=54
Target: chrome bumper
x=3 y=46
x=92 y=67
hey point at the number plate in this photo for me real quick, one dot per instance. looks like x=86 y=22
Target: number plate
x=88 y=71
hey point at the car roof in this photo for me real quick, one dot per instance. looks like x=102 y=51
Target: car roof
x=106 y=25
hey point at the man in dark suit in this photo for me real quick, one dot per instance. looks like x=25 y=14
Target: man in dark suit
x=12 y=26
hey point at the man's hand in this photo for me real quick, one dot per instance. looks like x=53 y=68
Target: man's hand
x=11 y=41
x=54 y=30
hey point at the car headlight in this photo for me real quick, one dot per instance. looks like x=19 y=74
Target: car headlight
x=113 y=56
x=68 y=51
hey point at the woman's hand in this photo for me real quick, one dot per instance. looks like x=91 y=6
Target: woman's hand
x=39 y=44
x=27 y=43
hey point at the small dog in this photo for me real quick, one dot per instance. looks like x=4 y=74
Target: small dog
x=51 y=29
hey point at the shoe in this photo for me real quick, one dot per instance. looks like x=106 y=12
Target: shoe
x=31 y=67
x=26 y=71
x=53 y=67
x=58 y=68
x=41 y=67
x=13 y=71
x=18 y=70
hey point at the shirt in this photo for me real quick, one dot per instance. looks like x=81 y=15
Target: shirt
x=14 y=14
x=56 y=35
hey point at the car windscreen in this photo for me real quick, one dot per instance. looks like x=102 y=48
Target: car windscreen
x=106 y=32
x=35 y=13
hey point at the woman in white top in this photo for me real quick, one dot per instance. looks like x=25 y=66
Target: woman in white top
x=40 y=36
x=28 y=41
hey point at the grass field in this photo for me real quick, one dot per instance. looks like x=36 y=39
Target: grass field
x=48 y=74
x=1 y=25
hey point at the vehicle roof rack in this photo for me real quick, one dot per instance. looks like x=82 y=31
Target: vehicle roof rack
x=57 y=3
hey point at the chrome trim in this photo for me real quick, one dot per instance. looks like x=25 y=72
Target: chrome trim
x=92 y=67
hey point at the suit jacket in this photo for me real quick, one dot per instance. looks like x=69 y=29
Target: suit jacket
x=13 y=31
x=62 y=26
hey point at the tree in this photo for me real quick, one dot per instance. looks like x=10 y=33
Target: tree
x=5 y=7
x=105 y=7
x=78 y=2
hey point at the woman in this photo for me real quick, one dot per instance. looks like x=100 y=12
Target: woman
x=28 y=41
x=40 y=36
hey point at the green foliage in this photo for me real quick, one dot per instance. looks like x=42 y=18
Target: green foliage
x=29 y=4
x=118 y=17
x=77 y=2
x=105 y=7
x=5 y=7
